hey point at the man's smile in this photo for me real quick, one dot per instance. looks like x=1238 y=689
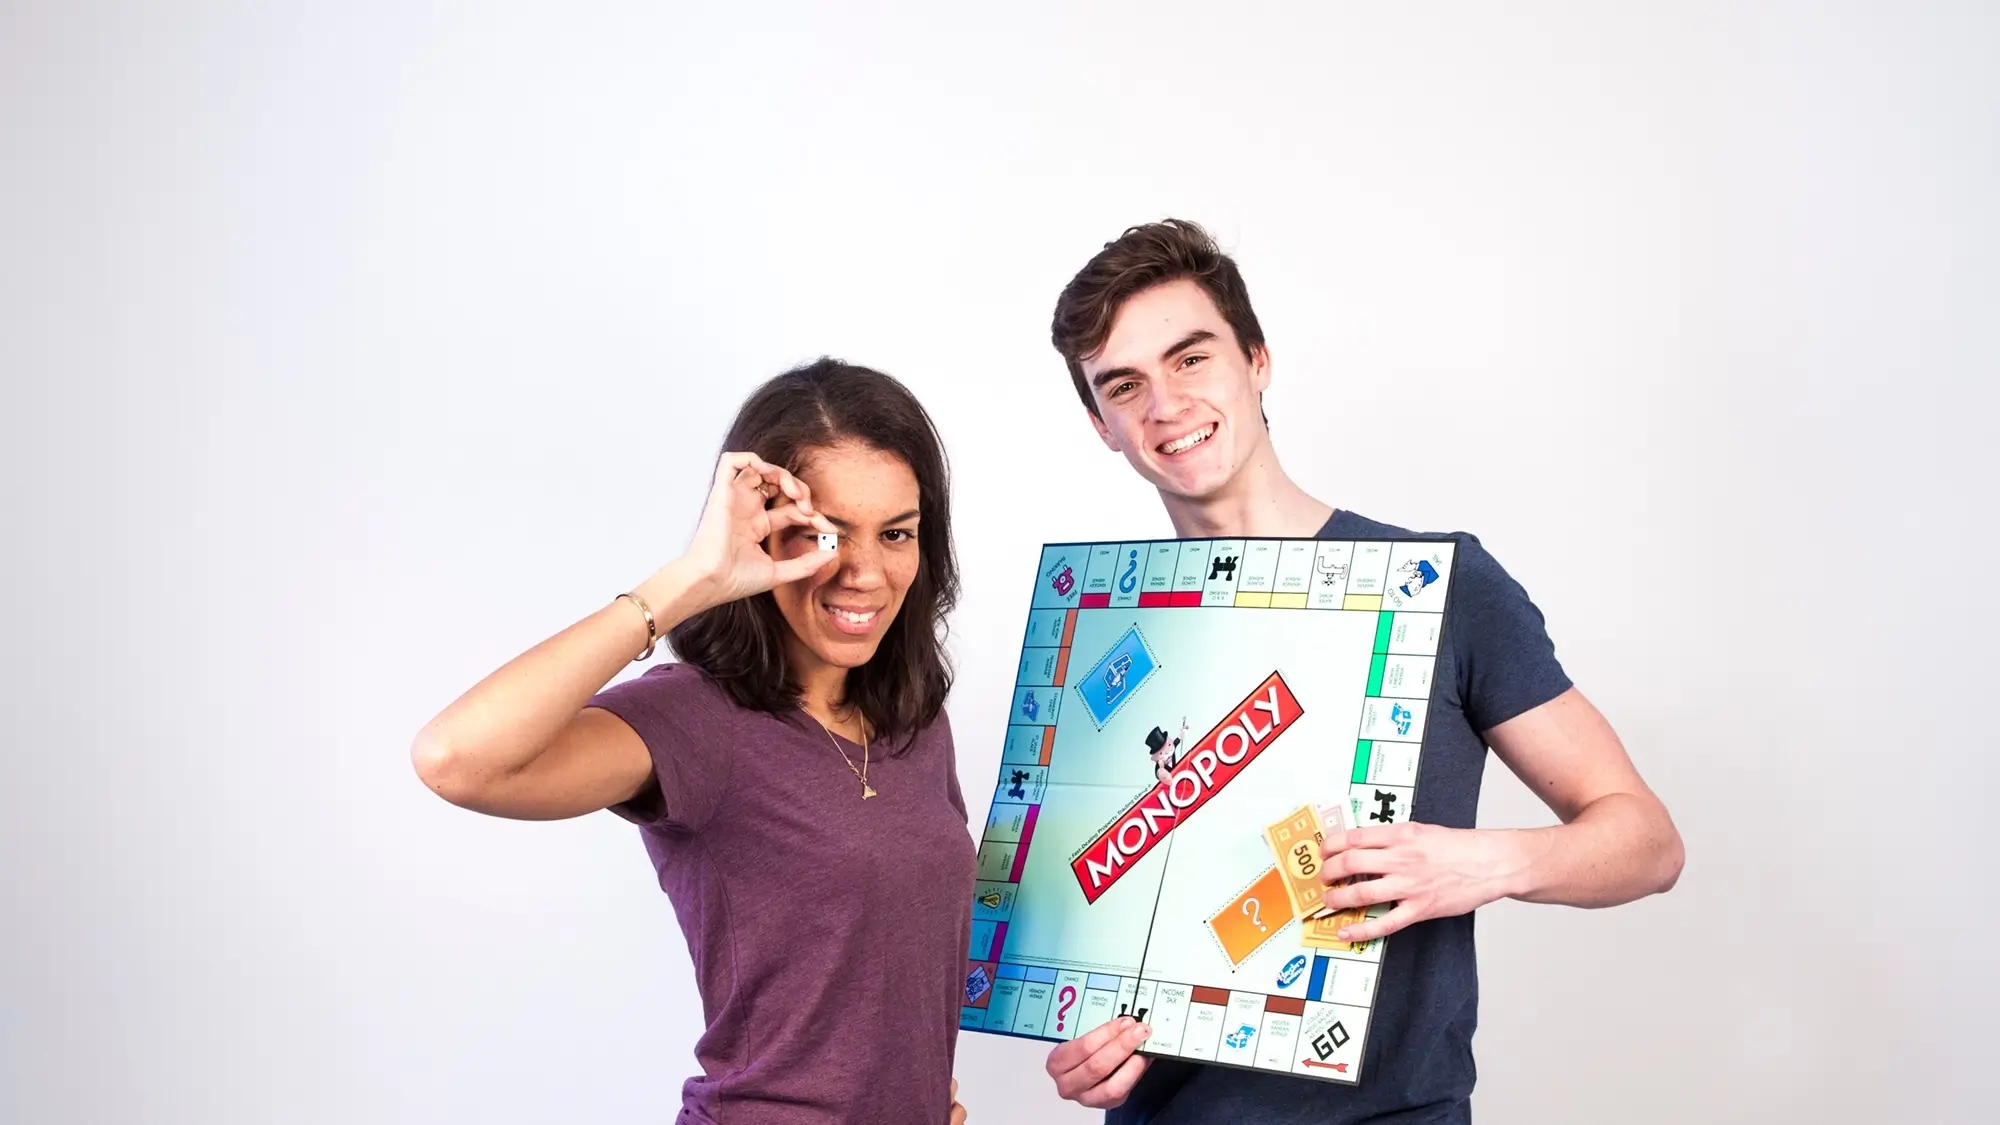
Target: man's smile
x=1186 y=441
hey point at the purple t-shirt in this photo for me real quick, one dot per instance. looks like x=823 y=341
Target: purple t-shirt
x=828 y=933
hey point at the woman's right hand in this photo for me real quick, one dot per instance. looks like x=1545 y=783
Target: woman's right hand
x=727 y=559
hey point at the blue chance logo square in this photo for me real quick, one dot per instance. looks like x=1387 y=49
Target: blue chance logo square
x=1116 y=677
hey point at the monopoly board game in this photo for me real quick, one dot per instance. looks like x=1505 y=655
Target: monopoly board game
x=1187 y=714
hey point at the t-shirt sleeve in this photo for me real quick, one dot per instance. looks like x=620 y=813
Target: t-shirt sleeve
x=682 y=718
x=1506 y=661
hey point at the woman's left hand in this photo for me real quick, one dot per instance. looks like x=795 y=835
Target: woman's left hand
x=957 y=1110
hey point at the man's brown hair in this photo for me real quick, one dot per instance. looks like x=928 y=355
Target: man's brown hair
x=1142 y=257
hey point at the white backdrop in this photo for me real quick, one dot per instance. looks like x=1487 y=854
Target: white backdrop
x=351 y=349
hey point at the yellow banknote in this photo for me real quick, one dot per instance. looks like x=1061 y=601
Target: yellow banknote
x=1295 y=841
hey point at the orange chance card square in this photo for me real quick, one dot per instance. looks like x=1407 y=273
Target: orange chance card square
x=1252 y=917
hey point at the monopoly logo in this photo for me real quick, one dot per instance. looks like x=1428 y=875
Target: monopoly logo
x=1213 y=762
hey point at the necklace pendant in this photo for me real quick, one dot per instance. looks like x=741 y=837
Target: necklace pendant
x=867 y=790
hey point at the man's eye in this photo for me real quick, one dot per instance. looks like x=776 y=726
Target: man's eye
x=1191 y=360
x=1121 y=389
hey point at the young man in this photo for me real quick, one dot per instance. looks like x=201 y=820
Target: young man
x=1171 y=366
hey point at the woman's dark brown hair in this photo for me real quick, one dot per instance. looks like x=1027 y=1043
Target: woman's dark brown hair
x=741 y=645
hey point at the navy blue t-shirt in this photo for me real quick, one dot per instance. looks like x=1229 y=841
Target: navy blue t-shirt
x=1495 y=661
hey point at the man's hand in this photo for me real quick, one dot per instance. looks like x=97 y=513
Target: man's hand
x=957 y=1110
x=1098 y=1069
x=1616 y=842
x=1428 y=871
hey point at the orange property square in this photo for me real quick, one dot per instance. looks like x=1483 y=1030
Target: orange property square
x=1252 y=917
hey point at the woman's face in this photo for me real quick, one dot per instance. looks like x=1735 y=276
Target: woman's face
x=840 y=614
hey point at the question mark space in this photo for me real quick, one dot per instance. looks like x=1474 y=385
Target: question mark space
x=1065 y=1000
x=1253 y=908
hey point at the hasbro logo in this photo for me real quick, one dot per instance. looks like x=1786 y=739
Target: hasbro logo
x=1288 y=975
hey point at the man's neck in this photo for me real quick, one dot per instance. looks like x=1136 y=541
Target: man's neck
x=1260 y=502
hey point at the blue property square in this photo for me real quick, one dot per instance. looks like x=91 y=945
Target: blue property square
x=1116 y=677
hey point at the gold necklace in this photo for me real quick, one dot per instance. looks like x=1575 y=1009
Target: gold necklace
x=861 y=774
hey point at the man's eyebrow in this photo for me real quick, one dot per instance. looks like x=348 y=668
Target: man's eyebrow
x=1198 y=336
x=1110 y=375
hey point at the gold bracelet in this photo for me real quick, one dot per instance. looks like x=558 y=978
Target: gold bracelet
x=652 y=629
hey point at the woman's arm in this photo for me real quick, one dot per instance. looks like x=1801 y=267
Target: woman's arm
x=521 y=744
x=524 y=744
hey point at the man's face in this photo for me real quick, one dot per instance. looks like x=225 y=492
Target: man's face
x=1175 y=392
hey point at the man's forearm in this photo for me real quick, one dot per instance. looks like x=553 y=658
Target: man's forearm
x=1621 y=847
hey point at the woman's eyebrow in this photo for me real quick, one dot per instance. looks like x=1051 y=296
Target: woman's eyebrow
x=896 y=519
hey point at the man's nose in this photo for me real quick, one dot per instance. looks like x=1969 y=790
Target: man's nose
x=1169 y=401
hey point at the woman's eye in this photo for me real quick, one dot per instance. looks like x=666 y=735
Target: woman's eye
x=899 y=535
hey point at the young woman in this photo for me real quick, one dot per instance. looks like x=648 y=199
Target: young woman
x=793 y=776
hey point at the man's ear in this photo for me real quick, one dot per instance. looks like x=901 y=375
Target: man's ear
x=1260 y=368
x=1104 y=432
